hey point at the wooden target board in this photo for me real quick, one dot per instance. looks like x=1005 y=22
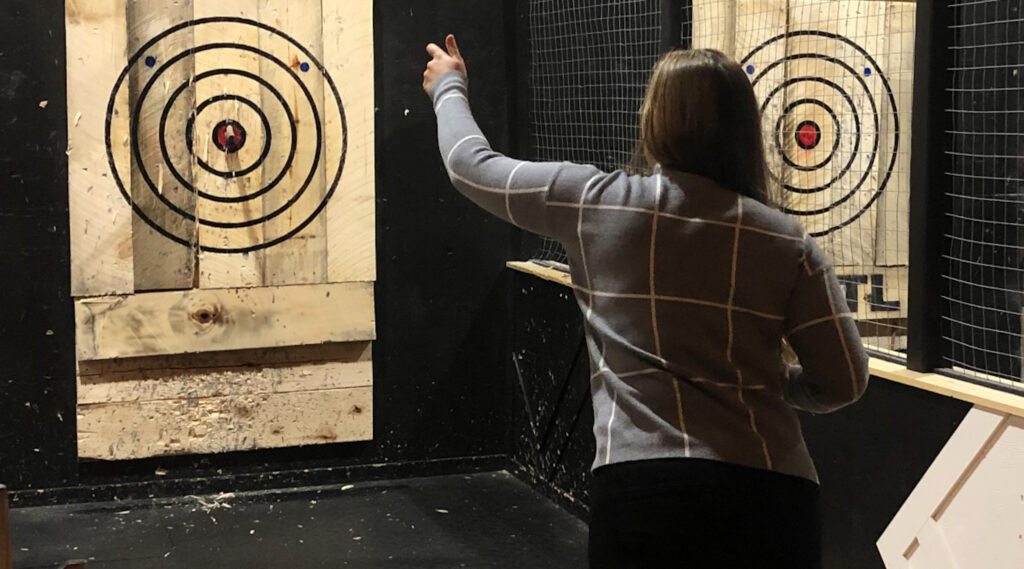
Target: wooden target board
x=835 y=83
x=221 y=205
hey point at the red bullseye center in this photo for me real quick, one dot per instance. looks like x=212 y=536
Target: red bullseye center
x=229 y=136
x=808 y=135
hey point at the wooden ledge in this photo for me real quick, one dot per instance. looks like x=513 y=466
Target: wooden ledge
x=980 y=395
x=546 y=273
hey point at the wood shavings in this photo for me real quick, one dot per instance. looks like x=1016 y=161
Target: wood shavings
x=43 y=104
x=78 y=118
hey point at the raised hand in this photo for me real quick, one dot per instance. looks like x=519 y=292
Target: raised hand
x=443 y=61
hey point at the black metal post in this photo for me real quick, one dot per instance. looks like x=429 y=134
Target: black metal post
x=928 y=184
x=671 y=25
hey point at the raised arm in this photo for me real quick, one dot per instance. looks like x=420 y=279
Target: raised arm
x=513 y=190
x=834 y=367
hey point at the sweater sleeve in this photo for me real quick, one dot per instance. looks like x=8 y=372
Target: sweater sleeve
x=834 y=367
x=518 y=192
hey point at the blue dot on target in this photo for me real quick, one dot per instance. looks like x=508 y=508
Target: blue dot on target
x=750 y=70
x=867 y=71
x=304 y=67
x=150 y=61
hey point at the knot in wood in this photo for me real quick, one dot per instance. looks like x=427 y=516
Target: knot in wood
x=206 y=315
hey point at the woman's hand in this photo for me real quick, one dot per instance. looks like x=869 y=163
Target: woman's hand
x=442 y=62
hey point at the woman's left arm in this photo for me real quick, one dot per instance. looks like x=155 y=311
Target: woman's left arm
x=516 y=191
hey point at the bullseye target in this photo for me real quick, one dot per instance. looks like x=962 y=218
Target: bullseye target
x=241 y=147
x=823 y=103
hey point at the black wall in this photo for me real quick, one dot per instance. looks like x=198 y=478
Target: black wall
x=442 y=294
x=869 y=455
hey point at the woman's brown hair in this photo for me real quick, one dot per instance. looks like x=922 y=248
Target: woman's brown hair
x=701 y=116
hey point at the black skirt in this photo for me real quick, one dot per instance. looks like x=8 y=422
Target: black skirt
x=696 y=514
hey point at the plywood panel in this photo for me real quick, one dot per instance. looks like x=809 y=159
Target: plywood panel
x=892 y=245
x=227 y=319
x=714 y=25
x=129 y=430
x=231 y=174
x=101 y=219
x=966 y=511
x=303 y=257
x=351 y=222
x=160 y=263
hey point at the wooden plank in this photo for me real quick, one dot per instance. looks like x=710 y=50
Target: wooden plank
x=956 y=455
x=757 y=22
x=161 y=263
x=546 y=273
x=101 y=219
x=217 y=269
x=6 y=561
x=979 y=395
x=351 y=221
x=303 y=257
x=854 y=168
x=266 y=357
x=983 y=517
x=219 y=320
x=185 y=379
x=892 y=246
x=130 y=430
x=714 y=26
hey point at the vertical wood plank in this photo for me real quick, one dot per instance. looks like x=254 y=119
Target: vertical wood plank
x=758 y=22
x=714 y=26
x=302 y=258
x=161 y=263
x=351 y=223
x=101 y=219
x=892 y=245
x=860 y=22
x=229 y=270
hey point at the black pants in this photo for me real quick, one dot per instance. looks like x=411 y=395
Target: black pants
x=696 y=514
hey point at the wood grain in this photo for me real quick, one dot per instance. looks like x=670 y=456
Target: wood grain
x=351 y=221
x=160 y=378
x=892 y=243
x=130 y=430
x=227 y=319
x=302 y=258
x=714 y=26
x=220 y=270
x=161 y=263
x=100 y=218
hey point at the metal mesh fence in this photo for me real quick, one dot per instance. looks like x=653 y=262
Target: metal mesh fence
x=984 y=268
x=835 y=80
x=590 y=62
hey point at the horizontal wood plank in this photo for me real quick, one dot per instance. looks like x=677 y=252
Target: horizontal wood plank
x=193 y=321
x=980 y=395
x=176 y=383
x=132 y=430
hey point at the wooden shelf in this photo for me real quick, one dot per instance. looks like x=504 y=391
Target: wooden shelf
x=980 y=395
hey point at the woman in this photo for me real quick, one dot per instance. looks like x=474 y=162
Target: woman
x=689 y=281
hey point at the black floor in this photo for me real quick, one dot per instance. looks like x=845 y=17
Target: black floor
x=482 y=520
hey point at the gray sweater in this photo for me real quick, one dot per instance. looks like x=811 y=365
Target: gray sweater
x=687 y=290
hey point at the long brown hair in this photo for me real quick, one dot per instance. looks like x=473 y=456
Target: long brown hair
x=701 y=116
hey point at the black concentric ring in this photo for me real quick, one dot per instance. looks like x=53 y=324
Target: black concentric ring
x=222 y=224
x=264 y=121
x=112 y=111
x=883 y=182
x=291 y=150
x=780 y=127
